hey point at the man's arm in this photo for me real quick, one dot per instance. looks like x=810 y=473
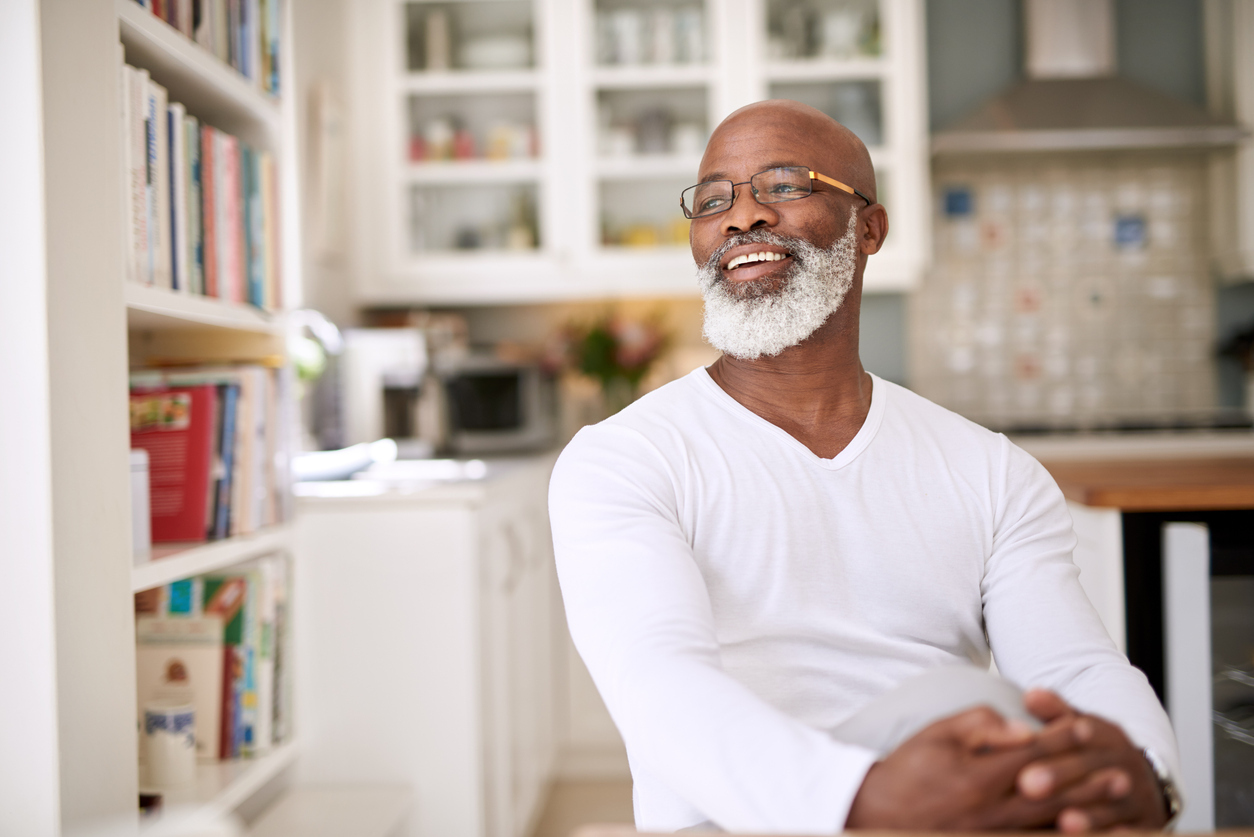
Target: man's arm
x=1044 y=632
x=640 y=615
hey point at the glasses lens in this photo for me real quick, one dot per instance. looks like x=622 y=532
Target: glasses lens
x=707 y=198
x=783 y=184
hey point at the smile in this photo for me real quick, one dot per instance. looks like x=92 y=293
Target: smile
x=753 y=258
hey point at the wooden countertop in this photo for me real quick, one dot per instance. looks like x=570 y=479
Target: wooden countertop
x=1183 y=484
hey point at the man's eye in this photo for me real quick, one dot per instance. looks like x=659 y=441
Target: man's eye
x=711 y=203
x=784 y=189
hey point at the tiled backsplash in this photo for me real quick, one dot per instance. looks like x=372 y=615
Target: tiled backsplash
x=1069 y=290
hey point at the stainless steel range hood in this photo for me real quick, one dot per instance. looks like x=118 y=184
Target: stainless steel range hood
x=1072 y=99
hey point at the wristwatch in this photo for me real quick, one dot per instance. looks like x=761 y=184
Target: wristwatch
x=1171 y=794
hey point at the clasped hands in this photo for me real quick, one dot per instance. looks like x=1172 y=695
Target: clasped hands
x=975 y=771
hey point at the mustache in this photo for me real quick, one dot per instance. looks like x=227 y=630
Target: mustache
x=793 y=245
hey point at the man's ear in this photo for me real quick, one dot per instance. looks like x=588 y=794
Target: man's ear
x=872 y=229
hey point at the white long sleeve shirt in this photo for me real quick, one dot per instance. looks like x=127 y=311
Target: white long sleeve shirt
x=735 y=596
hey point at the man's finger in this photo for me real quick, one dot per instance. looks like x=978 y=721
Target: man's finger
x=1096 y=817
x=1053 y=775
x=1046 y=705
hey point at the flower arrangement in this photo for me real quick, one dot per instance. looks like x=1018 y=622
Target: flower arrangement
x=614 y=351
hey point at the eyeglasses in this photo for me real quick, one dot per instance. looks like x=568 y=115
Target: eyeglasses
x=786 y=183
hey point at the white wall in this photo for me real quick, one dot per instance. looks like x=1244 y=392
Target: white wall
x=29 y=798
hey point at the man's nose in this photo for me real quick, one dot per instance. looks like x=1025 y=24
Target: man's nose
x=746 y=213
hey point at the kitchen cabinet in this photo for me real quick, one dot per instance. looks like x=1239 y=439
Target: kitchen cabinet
x=427 y=643
x=494 y=163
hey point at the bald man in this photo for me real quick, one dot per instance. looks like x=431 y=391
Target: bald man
x=757 y=557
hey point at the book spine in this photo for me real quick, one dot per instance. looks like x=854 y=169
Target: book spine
x=160 y=159
x=179 y=238
x=256 y=232
x=128 y=216
x=222 y=194
x=240 y=495
x=265 y=166
x=221 y=31
x=253 y=43
x=226 y=735
x=203 y=26
x=195 y=232
x=238 y=247
x=272 y=46
x=209 y=208
x=139 y=173
x=222 y=524
x=275 y=217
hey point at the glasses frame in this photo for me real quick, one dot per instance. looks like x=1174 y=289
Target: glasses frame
x=813 y=176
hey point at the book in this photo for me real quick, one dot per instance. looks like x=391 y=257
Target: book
x=137 y=157
x=159 y=186
x=196 y=254
x=225 y=597
x=269 y=234
x=175 y=425
x=179 y=239
x=257 y=243
x=221 y=524
x=181 y=659
x=224 y=174
x=209 y=208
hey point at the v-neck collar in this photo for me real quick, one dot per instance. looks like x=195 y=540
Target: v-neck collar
x=860 y=441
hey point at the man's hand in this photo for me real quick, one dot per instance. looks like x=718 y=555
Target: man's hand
x=961 y=773
x=1105 y=782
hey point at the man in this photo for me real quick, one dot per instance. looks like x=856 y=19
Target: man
x=754 y=553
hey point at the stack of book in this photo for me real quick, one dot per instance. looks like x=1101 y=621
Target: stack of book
x=218 y=642
x=214 y=437
x=201 y=206
x=242 y=33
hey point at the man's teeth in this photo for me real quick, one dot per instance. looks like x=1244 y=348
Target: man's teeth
x=749 y=258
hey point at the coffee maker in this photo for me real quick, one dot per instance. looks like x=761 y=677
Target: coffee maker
x=382 y=376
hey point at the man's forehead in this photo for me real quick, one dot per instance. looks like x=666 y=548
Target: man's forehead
x=759 y=141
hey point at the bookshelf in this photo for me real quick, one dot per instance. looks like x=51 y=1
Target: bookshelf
x=93 y=324
x=159 y=309
x=173 y=561
x=175 y=324
x=220 y=789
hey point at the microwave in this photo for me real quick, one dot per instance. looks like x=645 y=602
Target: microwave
x=495 y=406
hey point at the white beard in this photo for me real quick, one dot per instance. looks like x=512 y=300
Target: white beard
x=751 y=321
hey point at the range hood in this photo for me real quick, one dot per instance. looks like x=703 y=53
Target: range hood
x=1073 y=100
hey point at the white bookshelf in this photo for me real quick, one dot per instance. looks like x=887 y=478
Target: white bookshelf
x=209 y=88
x=160 y=309
x=173 y=561
x=222 y=787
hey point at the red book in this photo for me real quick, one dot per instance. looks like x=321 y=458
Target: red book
x=175 y=426
x=208 y=216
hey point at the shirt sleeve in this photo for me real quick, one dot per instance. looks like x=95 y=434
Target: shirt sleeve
x=640 y=616
x=1042 y=629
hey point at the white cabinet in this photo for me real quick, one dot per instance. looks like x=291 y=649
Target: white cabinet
x=529 y=150
x=425 y=639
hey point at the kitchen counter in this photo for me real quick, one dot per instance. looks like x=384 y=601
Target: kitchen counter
x=1169 y=484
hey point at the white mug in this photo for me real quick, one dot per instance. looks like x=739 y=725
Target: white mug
x=169 y=736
